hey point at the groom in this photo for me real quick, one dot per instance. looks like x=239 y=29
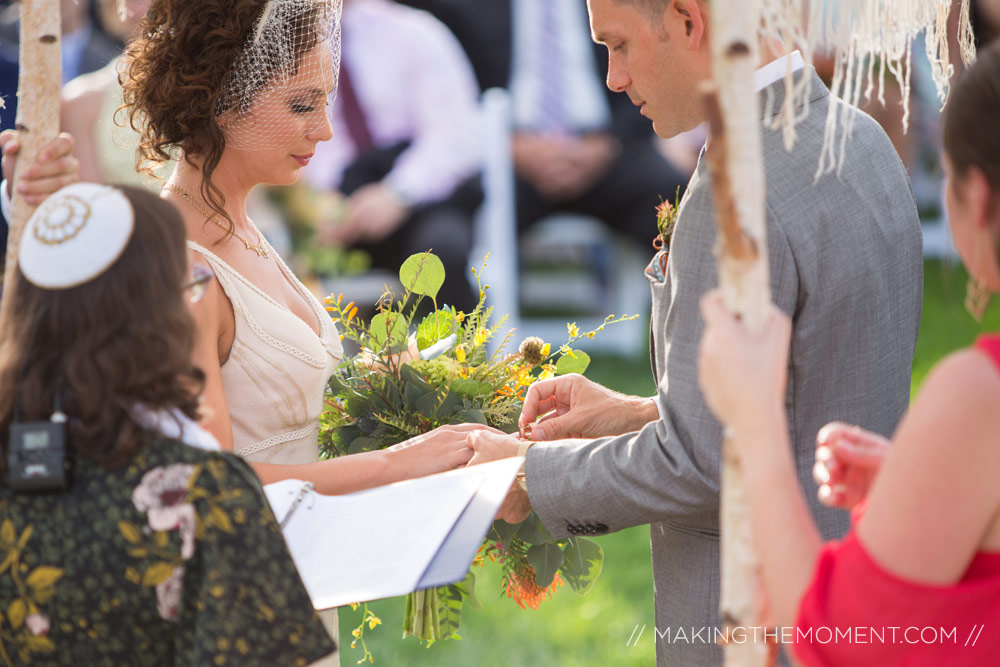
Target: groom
x=845 y=264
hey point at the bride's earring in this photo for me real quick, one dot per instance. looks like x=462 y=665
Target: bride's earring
x=977 y=298
x=977 y=294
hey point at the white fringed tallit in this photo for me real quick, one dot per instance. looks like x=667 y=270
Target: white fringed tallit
x=869 y=40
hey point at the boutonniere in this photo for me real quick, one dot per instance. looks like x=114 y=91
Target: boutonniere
x=666 y=218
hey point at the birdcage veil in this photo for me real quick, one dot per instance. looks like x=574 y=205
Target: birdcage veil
x=283 y=77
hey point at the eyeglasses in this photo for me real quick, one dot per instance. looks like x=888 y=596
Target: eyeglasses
x=200 y=275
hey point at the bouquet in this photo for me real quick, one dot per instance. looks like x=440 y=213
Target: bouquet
x=415 y=374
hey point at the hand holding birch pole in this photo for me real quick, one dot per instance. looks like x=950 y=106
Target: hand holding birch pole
x=38 y=105
x=736 y=164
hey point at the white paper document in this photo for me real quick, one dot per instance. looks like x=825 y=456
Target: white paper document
x=392 y=539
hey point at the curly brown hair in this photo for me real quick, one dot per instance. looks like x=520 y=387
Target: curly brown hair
x=121 y=340
x=175 y=74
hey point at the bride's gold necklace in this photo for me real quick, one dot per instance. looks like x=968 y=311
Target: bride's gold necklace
x=258 y=247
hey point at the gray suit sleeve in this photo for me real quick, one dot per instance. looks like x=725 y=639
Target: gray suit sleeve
x=669 y=471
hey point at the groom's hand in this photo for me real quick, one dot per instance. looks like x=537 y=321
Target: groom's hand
x=571 y=406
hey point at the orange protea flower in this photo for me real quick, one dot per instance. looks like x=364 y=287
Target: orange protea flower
x=520 y=585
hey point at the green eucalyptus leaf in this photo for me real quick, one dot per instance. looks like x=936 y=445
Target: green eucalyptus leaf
x=413 y=392
x=356 y=405
x=449 y=403
x=583 y=564
x=533 y=531
x=388 y=328
x=546 y=559
x=412 y=378
x=336 y=384
x=361 y=444
x=503 y=532
x=422 y=273
x=347 y=434
x=427 y=404
x=573 y=362
x=468 y=589
x=471 y=416
x=470 y=388
x=395 y=395
x=436 y=326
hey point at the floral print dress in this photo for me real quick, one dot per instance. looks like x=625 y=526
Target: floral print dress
x=173 y=559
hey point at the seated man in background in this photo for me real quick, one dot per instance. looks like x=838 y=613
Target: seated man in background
x=577 y=146
x=405 y=149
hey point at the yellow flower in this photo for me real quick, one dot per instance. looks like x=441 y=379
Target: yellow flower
x=546 y=350
x=373 y=621
x=482 y=335
x=354 y=606
x=573 y=330
x=460 y=317
x=460 y=353
x=356 y=632
x=590 y=334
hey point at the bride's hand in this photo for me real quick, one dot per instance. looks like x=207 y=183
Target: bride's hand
x=442 y=449
x=371 y=362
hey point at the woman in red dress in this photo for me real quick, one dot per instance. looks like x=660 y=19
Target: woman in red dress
x=917 y=580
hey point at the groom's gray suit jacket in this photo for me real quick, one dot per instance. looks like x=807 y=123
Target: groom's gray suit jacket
x=846 y=264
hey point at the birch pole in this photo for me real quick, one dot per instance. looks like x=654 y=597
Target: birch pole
x=37 y=120
x=736 y=163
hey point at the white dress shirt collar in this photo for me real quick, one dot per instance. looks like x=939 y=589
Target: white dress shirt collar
x=776 y=69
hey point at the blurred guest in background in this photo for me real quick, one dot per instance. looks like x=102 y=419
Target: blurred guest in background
x=85 y=48
x=405 y=148
x=577 y=147
x=105 y=142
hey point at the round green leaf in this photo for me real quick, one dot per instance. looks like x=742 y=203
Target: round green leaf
x=574 y=361
x=583 y=564
x=388 y=328
x=546 y=559
x=436 y=326
x=471 y=388
x=422 y=274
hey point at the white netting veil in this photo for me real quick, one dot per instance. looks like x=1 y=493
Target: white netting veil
x=278 y=89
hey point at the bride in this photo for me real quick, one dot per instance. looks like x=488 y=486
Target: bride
x=236 y=90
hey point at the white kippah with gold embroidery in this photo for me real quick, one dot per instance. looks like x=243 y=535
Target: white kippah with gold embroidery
x=75 y=235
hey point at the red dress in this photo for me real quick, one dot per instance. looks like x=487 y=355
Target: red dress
x=856 y=613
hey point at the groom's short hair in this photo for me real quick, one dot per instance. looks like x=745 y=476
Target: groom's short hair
x=653 y=9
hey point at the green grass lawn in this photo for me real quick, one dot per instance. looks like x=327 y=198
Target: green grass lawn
x=594 y=629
